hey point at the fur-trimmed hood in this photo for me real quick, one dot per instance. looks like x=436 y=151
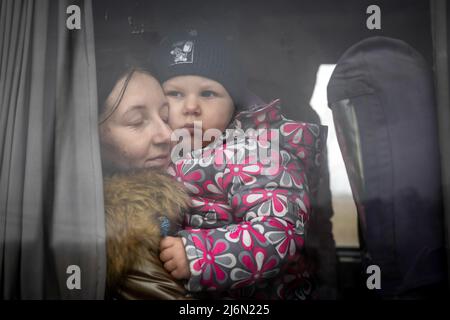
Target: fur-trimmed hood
x=134 y=202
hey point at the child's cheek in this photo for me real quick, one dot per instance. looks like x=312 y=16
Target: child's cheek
x=175 y=120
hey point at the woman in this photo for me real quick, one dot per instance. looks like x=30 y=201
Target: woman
x=133 y=124
x=135 y=147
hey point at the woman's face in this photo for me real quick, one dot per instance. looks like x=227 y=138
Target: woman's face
x=136 y=135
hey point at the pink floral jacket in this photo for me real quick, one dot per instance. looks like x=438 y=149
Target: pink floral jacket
x=251 y=191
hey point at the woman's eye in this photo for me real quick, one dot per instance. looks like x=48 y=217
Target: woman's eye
x=136 y=123
x=174 y=94
x=208 y=94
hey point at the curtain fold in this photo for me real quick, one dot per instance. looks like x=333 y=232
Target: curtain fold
x=51 y=196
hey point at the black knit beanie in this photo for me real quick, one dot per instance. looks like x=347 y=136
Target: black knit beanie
x=201 y=53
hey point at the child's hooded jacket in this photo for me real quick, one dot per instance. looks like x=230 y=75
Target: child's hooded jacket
x=251 y=199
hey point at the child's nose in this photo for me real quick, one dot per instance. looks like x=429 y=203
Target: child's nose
x=191 y=105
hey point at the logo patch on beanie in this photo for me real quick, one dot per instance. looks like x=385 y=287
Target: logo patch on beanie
x=182 y=52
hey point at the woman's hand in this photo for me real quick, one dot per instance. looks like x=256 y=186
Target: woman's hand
x=174 y=257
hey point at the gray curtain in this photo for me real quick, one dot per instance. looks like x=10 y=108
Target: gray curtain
x=51 y=197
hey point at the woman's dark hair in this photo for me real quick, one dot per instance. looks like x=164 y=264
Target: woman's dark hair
x=118 y=55
x=102 y=115
x=112 y=66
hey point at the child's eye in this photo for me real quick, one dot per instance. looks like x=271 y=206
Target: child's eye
x=208 y=94
x=174 y=94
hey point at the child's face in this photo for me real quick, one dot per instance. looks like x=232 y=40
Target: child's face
x=136 y=135
x=195 y=98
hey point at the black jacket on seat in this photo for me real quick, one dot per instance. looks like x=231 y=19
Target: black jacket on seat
x=382 y=97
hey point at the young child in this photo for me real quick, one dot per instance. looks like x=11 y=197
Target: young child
x=245 y=234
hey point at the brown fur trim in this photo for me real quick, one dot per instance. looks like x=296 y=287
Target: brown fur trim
x=133 y=204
